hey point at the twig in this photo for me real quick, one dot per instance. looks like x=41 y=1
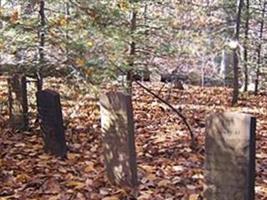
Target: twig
x=173 y=109
x=161 y=89
x=193 y=141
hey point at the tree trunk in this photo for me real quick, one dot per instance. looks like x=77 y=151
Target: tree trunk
x=1 y=23
x=132 y=53
x=235 y=87
x=67 y=32
x=41 y=35
x=246 y=46
x=259 y=51
x=235 y=55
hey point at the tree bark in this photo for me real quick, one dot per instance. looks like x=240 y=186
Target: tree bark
x=246 y=46
x=235 y=86
x=259 y=51
x=41 y=45
x=67 y=32
x=1 y=23
x=132 y=53
x=235 y=55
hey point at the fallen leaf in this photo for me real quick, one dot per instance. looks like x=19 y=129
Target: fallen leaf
x=164 y=183
x=193 y=197
x=73 y=156
x=75 y=184
x=111 y=198
x=89 y=167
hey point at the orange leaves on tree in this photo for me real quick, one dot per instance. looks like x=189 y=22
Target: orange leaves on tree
x=123 y=5
x=14 y=17
x=62 y=21
x=80 y=62
x=59 y=21
x=88 y=71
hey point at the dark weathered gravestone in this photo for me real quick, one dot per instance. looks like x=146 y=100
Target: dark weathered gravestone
x=18 y=103
x=118 y=138
x=230 y=157
x=142 y=75
x=175 y=79
x=51 y=122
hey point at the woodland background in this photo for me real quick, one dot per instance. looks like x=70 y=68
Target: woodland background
x=95 y=40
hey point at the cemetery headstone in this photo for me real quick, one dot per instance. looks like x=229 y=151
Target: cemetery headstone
x=118 y=138
x=51 y=122
x=142 y=75
x=175 y=79
x=18 y=103
x=230 y=157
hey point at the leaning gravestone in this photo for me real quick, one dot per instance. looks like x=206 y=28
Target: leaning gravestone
x=17 y=102
x=51 y=122
x=118 y=138
x=230 y=157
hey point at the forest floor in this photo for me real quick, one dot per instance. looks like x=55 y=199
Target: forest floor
x=168 y=168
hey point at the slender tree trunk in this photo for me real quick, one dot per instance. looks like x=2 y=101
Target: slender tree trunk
x=146 y=70
x=132 y=52
x=246 y=46
x=1 y=23
x=235 y=86
x=67 y=32
x=235 y=55
x=259 y=51
x=42 y=31
x=41 y=44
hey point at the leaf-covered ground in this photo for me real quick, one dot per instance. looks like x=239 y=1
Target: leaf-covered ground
x=167 y=167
